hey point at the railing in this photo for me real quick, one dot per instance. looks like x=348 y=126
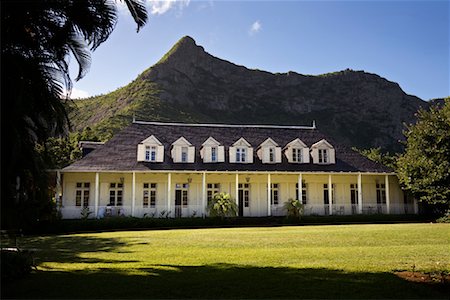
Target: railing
x=180 y=211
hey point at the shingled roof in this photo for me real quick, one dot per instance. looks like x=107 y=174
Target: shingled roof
x=120 y=153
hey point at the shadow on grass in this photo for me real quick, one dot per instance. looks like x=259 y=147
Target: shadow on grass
x=68 y=249
x=218 y=281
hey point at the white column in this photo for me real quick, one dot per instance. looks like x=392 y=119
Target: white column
x=97 y=193
x=388 y=200
x=58 y=190
x=330 y=194
x=204 y=204
x=300 y=187
x=237 y=189
x=269 y=196
x=416 y=206
x=133 y=194
x=169 y=190
x=360 y=199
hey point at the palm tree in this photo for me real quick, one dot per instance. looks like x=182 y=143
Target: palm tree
x=37 y=39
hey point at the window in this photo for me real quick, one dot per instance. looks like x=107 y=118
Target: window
x=82 y=194
x=184 y=154
x=297 y=155
x=115 y=194
x=245 y=193
x=240 y=154
x=275 y=194
x=271 y=154
x=184 y=193
x=381 y=193
x=323 y=156
x=147 y=153
x=354 y=197
x=304 y=192
x=150 y=153
x=213 y=154
x=149 y=195
x=211 y=190
x=353 y=194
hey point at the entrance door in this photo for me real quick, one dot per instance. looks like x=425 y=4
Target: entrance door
x=177 y=203
x=241 y=203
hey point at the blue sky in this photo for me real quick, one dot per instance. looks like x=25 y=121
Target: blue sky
x=403 y=41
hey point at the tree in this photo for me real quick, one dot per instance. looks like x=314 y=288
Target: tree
x=424 y=168
x=38 y=37
x=221 y=205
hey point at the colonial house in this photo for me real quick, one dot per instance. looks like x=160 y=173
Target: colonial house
x=174 y=169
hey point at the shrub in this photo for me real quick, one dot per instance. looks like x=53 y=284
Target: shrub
x=221 y=205
x=294 y=209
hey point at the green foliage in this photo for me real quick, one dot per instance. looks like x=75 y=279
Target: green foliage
x=62 y=151
x=424 y=168
x=294 y=209
x=376 y=155
x=222 y=205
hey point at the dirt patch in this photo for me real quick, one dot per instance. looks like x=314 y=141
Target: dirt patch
x=439 y=281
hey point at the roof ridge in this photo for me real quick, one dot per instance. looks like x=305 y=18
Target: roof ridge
x=226 y=125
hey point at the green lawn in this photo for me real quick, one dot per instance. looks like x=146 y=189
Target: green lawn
x=346 y=261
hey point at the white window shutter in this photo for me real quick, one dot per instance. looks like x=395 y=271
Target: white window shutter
x=306 y=156
x=191 y=154
x=160 y=153
x=174 y=153
x=332 y=156
x=259 y=153
x=207 y=154
x=141 y=152
x=315 y=155
x=278 y=154
x=221 y=154
x=265 y=158
x=288 y=154
x=250 y=155
x=232 y=151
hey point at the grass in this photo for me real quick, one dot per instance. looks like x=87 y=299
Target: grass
x=340 y=261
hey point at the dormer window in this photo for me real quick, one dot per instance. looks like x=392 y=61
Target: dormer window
x=241 y=152
x=297 y=156
x=150 y=153
x=297 y=152
x=323 y=153
x=150 y=150
x=323 y=156
x=184 y=154
x=183 y=151
x=213 y=154
x=271 y=155
x=212 y=151
x=269 y=152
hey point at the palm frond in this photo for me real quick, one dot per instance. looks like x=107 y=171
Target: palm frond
x=138 y=12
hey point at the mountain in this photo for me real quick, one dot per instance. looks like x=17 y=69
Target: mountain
x=188 y=84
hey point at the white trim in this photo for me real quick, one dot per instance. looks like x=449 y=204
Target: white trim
x=133 y=194
x=388 y=200
x=237 y=190
x=225 y=125
x=169 y=190
x=330 y=194
x=269 y=195
x=97 y=193
x=300 y=188
x=227 y=171
x=360 y=198
x=204 y=204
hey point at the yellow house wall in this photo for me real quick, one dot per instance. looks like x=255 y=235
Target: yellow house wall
x=258 y=204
